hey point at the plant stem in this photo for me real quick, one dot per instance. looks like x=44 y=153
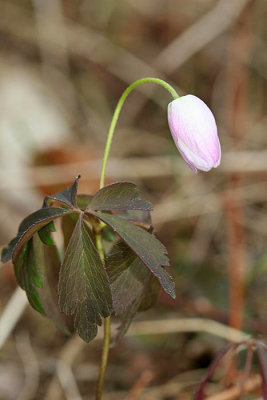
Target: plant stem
x=117 y=113
x=104 y=359
x=105 y=350
x=99 y=244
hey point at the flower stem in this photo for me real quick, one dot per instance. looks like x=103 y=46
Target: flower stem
x=105 y=350
x=99 y=244
x=117 y=111
x=104 y=359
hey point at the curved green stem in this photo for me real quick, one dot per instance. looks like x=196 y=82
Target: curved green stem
x=117 y=111
x=99 y=244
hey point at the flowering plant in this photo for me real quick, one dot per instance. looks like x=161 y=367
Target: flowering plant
x=113 y=263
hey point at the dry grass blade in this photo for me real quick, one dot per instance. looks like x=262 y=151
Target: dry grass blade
x=11 y=314
x=67 y=381
x=213 y=24
x=168 y=326
x=66 y=358
x=31 y=367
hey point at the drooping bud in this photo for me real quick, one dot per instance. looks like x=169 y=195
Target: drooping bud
x=194 y=131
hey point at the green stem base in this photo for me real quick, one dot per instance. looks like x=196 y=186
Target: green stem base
x=104 y=359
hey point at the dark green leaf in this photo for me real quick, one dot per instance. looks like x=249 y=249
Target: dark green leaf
x=83 y=285
x=83 y=200
x=5 y=254
x=49 y=264
x=128 y=277
x=151 y=294
x=127 y=317
x=45 y=234
x=83 y=325
x=28 y=275
x=68 y=223
x=67 y=197
x=139 y=217
x=150 y=250
x=29 y=226
x=108 y=234
x=133 y=287
x=119 y=196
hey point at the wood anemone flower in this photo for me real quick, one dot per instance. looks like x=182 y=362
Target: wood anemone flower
x=194 y=132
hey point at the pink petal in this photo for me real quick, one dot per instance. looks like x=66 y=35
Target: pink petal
x=194 y=131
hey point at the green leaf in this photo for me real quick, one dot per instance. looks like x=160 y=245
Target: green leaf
x=133 y=287
x=83 y=284
x=67 y=197
x=145 y=245
x=49 y=264
x=83 y=325
x=108 y=234
x=139 y=217
x=34 y=222
x=83 y=200
x=28 y=275
x=119 y=196
x=45 y=234
x=68 y=223
x=151 y=294
x=128 y=277
x=127 y=317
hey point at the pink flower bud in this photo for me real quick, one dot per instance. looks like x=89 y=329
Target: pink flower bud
x=194 y=131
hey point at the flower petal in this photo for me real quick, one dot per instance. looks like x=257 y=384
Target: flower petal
x=194 y=131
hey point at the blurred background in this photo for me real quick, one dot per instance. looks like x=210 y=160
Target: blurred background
x=63 y=67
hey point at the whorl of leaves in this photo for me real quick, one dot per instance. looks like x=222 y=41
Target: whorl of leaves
x=81 y=290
